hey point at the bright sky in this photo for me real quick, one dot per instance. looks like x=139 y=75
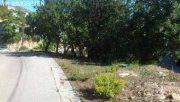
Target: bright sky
x=28 y=4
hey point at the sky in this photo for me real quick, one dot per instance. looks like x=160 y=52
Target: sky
x=28 y=4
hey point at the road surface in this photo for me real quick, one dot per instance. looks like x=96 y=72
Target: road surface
x=32 y=77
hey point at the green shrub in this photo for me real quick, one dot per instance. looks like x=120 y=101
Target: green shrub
x=23 y=48
x=107 y=85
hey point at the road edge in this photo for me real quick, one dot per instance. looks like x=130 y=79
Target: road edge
x=64 y=87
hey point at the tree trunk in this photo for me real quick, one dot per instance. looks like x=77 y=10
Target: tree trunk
x=81 y=51
x=47 y=45
x=72 y=50
x=65 y=49
x=57 y=45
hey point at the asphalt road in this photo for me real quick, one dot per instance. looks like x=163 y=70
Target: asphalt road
x=27 y=77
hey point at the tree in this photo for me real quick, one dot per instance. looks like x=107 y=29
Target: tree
x=11 y=24
x=49 y=22
x=147 y=39
x=101 y=17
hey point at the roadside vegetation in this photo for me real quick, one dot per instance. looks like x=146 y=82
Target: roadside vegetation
x=94 y=82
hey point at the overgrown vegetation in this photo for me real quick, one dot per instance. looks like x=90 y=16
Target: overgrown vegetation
x=76 y=69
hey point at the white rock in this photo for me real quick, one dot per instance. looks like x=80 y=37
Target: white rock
x=162 y=74
x=123 y=65
x=176 y=97
x=162 y=97
x=126 y=73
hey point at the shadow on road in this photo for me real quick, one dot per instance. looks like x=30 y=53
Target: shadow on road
x=26 y=54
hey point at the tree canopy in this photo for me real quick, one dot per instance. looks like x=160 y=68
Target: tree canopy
x=107 y=30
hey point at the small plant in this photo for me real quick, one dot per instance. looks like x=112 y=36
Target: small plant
x=172 y=77
x=145 y=73
x=107 y=85
x=114 y=67
x=77 y=75
x=85 y=77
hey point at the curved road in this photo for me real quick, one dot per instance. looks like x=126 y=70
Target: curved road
x=27 y=77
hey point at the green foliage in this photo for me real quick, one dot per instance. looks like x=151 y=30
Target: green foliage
x=23 y=48
x=107 y=85
x=10 y=35
x=5 y=14
x=75 y=75
x=10 y=24
x=126 y=30
x=42 y=46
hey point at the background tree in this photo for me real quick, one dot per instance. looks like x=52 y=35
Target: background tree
x=11 y=24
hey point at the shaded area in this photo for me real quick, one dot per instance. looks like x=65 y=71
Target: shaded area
x=27 y=54
x=169 y=64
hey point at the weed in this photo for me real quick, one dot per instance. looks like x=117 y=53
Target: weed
x=77 y=75
x=172 y=77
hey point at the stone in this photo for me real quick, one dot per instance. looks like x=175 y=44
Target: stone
x=162 y=74
x=126 y=73
x=123 y=65
x=162 y=97
x=176 y=97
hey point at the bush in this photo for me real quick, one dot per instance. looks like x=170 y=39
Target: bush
x=23 y=48
x=107 y=85
x=41 y=46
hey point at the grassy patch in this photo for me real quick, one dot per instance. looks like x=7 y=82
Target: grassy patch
x=79 y=68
